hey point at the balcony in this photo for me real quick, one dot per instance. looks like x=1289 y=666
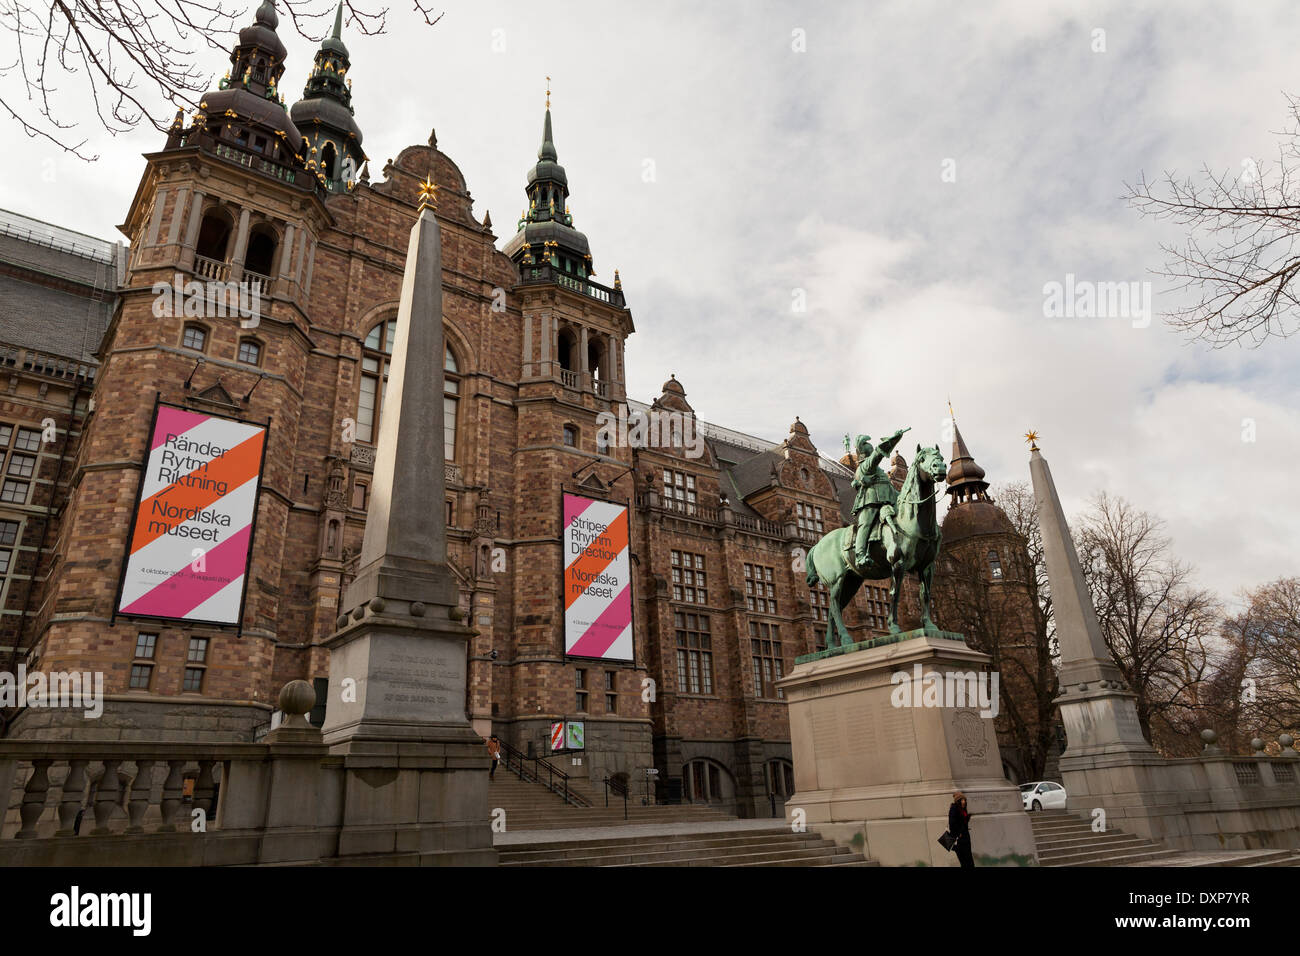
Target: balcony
x=545 y=272
x=211 y=269
x=570 y=379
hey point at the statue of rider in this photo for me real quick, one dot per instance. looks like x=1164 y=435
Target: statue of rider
x=875 y=493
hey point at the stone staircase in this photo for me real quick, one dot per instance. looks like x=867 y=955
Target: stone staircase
x=1067 y=840
x=770 y=846
x=531 y=806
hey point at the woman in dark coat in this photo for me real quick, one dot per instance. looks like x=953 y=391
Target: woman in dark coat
x=959 y=827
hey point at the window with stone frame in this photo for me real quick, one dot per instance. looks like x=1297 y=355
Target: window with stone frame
x=611 y=692
x=820 y=599
x=767 y=658
x=995 y=566
x=694 y=653
x=760 y=589
x=142 y=666
x=19 y=448
x=194 y=337
x=809 y=517
x=690 y=580
x=8 y=541
x=876 y=606
x=250 y=352
x=580 y=674
x=376 y=357
x=679 y=491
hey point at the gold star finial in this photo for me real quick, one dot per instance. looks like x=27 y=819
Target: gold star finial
x=548 y=92
x=428 y=193
x=1031 y=436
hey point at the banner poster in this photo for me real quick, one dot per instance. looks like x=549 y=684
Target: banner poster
x=597 y=580
x=193 y=526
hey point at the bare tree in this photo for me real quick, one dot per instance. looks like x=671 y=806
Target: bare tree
x=1011 y=620
x=1240 y=257
x=1158 y=626
x=1270 y=637
x=134 y=61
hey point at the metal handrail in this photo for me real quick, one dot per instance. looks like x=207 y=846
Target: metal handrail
x=618 y=789
x=555 y=780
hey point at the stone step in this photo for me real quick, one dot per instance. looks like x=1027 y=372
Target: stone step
x=783 y=857
x=1096 y=839
x=576 y=848
x=683 y=857
x=1155 y=852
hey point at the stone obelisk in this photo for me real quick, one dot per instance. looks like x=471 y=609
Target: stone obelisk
x=414 y=768
x=1097 y=707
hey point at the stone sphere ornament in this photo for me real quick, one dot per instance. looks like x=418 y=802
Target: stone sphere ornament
x=296 y=699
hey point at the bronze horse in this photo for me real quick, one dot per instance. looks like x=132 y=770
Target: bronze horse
x=916 y=547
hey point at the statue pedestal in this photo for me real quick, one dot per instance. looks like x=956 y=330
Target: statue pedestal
x=415 y=785
x=877 y=758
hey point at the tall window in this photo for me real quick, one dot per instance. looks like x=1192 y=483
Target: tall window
x=376 y=355
x=8 y=538
x=821 y=602
x=809 y=517
x=765 y=651
x=18 y=450
x=195 y=661
x=690 y=583
x=581 y=682
x=877 y=609
x=142 y=666
x=679 y=491
x=450 y=401
x=611 y=692
x=760 y=589
x=995 y=566
x=702 y=781
x=570 y=436
x=694 y=653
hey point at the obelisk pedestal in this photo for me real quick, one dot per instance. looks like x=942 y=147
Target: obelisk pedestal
x=415 y=771
x=877 y=755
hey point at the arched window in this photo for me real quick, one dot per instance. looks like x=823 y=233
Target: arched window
x=995 y=566
x=704 y=781
x=250 y=352
x=376 y=353
x=780 y=778
x=260 y=256
x=450 y=402
x=571 y=436
x=329 y=161
x=194 y=337
x=214 y=235
x=568 y=346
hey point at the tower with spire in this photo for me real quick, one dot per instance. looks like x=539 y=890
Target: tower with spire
x=325 y=115
x=985 y=588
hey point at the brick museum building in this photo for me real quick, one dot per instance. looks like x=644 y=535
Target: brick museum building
x=282 y=199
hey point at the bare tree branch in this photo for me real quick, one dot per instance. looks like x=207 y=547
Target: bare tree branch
x=135 y=61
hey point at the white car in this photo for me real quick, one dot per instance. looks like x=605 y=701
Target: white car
x=1042 y=795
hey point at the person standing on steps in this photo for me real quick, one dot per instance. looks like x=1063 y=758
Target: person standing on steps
x=959 y=827
x=494 y=751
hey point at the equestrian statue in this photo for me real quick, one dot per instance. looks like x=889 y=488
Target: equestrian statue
x=893 y=532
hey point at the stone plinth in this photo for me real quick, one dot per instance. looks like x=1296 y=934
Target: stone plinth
x=415 y=780
x=879 y=777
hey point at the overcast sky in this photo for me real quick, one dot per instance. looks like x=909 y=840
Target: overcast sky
x=735 y=160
